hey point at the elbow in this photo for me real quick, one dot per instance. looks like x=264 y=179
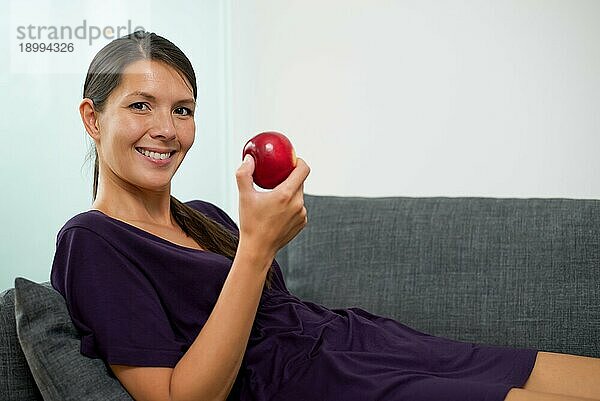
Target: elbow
x=193 y=393
x=183 y=397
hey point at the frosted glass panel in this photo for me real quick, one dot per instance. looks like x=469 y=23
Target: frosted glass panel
x=45 y=179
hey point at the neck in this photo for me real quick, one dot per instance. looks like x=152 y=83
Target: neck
x=134 y=204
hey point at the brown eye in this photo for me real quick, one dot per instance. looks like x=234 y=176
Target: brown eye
x=184 y=111
x=138 y=106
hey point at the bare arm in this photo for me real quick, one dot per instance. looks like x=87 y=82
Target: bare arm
x=208 y=369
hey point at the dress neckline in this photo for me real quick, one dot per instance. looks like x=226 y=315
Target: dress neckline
x=146 y=233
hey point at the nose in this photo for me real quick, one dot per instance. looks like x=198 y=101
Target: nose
x=163 y=126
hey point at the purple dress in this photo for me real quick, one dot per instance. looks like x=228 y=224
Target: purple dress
x=138 y=299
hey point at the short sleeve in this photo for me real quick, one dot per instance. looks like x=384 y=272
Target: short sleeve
x=112 y=303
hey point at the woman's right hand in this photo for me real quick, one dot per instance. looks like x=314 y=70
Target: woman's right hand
x=269 y=220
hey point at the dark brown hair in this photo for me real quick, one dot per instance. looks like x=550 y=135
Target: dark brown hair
x=104 y=75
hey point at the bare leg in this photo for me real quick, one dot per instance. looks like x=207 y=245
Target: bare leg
x=570 y=375
x=518 y=394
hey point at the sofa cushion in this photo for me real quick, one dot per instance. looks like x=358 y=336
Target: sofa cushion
x=515 y=272
x=51 y=346
x=16 y=381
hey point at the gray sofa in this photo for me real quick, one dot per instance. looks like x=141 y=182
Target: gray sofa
x=514 y=272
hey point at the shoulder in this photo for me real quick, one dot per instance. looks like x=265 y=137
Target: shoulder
x=93 y=227
x=85 y=246
x=213 y=212
x=89 y=221
x=92 y=220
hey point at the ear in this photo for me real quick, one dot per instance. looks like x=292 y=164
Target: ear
x=89 y=116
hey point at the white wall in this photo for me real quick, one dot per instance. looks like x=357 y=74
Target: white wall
x=425 y=98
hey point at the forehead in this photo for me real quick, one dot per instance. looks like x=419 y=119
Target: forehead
x=153 y=77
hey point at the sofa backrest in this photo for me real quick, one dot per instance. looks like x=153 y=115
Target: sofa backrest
x=516 y=272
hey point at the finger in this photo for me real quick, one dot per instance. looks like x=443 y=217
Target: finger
x=243 y=175
x=297 y=176
x=304 y=168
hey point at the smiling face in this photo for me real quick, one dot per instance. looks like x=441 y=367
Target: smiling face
x=146 y=127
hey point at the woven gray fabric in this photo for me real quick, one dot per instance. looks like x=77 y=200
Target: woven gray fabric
x=516 y=272
x=51 y=344
x=16 y=381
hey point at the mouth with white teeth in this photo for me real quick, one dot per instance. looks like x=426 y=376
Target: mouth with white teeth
x=154 y=155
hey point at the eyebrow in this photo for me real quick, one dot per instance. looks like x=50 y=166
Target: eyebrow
x=153 y=98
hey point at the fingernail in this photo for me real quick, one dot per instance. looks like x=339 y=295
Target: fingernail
x=246 y=158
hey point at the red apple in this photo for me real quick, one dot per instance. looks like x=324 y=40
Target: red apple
x=274 y=158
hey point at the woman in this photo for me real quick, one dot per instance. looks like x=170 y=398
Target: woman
x=183 y=305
